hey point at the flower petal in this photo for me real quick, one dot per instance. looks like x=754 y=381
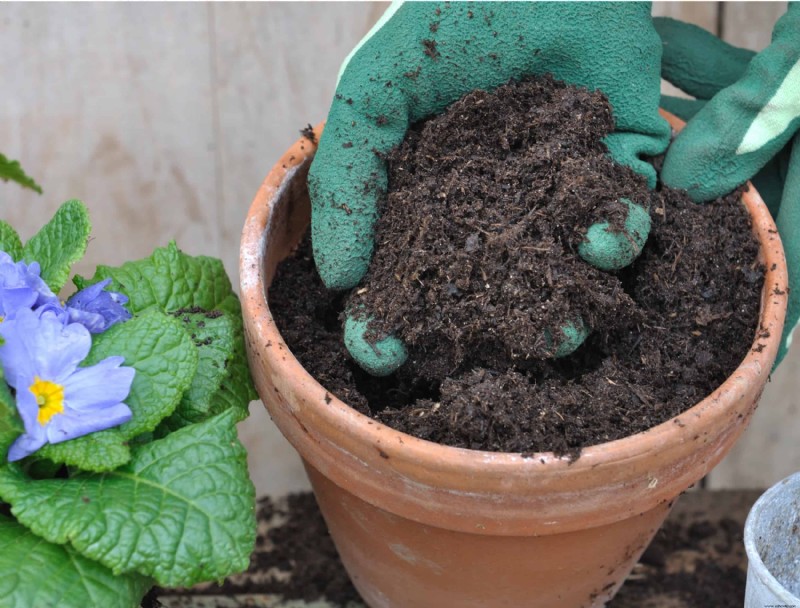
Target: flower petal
x=98 y=386
x=98 y=309
x=26 y=280
x=88 y=294
x=55 y=310
x=93 y=321
x=15 y=355
x=42 y=346
x=14 y=298
x=72 y=424
x=27 y=408
x=25 y=445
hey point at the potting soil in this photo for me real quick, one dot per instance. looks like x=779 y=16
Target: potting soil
x=476 y=263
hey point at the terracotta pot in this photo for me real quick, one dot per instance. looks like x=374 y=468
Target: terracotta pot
x=421 y=525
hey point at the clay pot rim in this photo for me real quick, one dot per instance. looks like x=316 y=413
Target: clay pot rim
x=327 y=409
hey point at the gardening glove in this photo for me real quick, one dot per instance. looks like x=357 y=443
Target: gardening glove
x=421 y=57
x=743 y=125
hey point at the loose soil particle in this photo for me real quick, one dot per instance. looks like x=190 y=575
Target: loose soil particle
x=476 y=256
x=308 y=133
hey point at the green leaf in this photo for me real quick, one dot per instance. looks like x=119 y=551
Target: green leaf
x=10 y=170
x=36 y=573
x=213 y=335
x=182 y=511
x=100 y=451
x=168 y=279
x=10 y=422
x=237 y=390
x=165 y=360
x=171 y=280
x=10 y=241
x=60 y=243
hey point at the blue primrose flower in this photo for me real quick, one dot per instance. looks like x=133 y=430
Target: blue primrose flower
x=56 y=399
x=22 y=287
x=98 y=309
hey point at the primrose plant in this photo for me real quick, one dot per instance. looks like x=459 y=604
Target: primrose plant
x=120 y=466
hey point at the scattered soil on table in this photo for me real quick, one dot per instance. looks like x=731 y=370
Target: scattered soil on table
x=691 y=563
x=498 y=191
x=308 y=553
x=151 y=599
x=294 y=557
x=699 y=564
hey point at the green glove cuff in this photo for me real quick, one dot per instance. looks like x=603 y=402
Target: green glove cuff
x=696 y=61
x=380 y=358
x=745 y=125
x=611 y=250
x=788 y=222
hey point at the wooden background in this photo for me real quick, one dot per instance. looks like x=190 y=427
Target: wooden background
x=165 y=118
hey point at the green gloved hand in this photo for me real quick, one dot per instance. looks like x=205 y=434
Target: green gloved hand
x=743 y=125
x=418 y=59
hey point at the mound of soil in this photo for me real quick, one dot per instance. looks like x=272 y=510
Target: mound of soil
x=476 y=245
x=476 y=258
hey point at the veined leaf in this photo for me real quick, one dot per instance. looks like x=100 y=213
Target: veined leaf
x=213 y=335
x=182 y=511
x=236 y=391
x=36 y=573
x=169 y=280
x=60 y=243
x=100 y=451
x=10 y=170
x=10 y=241
x=237 y=388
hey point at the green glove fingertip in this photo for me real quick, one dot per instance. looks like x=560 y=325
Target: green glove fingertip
x=611 y=250
x=381 y=358
x=572 y=335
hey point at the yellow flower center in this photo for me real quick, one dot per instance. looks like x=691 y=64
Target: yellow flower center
x=49 y=396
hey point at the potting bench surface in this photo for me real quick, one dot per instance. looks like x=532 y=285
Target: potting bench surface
x=699 y=551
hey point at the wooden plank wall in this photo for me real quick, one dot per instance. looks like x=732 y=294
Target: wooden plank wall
x=164 y=119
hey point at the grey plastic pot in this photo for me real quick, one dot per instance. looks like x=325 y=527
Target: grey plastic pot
x=772 y=543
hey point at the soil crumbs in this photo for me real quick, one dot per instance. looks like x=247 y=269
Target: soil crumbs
x=692 y=562
x=476 y=259
x=699 y=564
